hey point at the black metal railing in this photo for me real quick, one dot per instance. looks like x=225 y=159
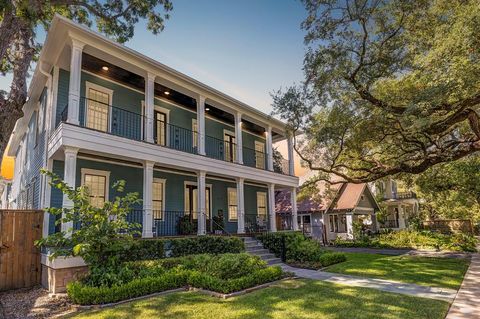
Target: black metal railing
x=254 y=158
x=220 y=149
x=255 y=223
x=175 y=137
x=126 y=123
x=406 y=195
x=281 y=166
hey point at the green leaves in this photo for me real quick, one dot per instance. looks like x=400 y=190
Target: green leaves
x=103 y=231
x=390 y=87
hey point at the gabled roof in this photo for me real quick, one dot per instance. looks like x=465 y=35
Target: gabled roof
x=344 y=196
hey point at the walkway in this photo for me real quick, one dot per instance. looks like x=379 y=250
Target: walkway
x=380 y=284
x=467 y=302
x=398 y=252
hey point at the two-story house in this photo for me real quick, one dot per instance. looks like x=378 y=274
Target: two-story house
x=99 y=112
x=400 y=204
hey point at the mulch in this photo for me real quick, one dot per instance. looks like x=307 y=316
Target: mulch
x=33 y=303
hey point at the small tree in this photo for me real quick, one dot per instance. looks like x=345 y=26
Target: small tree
x=103 y=233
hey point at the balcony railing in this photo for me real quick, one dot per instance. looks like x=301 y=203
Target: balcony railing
x=402 y=195
x=100 y=116
x=177 y=223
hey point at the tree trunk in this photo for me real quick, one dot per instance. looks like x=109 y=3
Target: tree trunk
x=11 y=106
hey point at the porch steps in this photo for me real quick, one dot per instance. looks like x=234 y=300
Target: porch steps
x=253 y=247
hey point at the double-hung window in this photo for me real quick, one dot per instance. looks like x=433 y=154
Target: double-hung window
x=96 y=183
x=98 y=107
x=232 y=204
x=259 y=155
x=262 y=205
x=158 y=198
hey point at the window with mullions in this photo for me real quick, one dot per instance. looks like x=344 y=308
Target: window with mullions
x=96 y=186
x=232 y=204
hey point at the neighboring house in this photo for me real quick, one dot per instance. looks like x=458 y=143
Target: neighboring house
x=400 y=206
x=332 y=213
x=99 y=112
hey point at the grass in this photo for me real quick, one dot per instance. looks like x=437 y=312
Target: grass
x=289 y=299
x=426 y=271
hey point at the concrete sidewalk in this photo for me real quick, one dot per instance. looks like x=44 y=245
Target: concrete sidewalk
x=380 y=284
x=467 y=302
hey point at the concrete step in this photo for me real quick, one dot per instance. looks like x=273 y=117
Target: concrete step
x=273 y=261
x=265 y=255
x=252 y=248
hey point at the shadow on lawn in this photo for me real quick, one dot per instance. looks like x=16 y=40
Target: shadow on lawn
x=291 y=299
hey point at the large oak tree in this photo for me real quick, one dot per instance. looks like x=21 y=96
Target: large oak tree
x=391 y=86
x=20 y=20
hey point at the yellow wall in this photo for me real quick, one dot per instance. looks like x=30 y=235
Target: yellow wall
x=6 y=168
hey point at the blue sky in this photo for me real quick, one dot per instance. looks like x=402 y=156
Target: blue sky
x=246 y=48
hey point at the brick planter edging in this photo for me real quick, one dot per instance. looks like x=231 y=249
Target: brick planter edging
x=204 y=291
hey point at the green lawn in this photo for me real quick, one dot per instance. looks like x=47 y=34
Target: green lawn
x=290 y=299
x=427 y=271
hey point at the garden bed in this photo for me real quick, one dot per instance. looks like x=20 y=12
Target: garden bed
x=224 y=274
x=411 y=239
x=300 y=251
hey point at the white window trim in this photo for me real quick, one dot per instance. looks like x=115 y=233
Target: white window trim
x=228 y=132
x=229 y=189
x=185 y=183
x=90 y=85
x=266 y=203
x=89 y=171
x=160 y=109
x=194 y=133
x=162 y=181
x=264 y=154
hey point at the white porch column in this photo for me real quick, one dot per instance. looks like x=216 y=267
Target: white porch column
x=271 y=207
x=75 y=78
x=149 y=106
x=269 y=149
x=201 y=124
x=238 y=137
x=240 y=206
x=202 y=209
x=46 y=198
x=69 y=175
x=349 y=220
x=291 y=160
x=147 y=229
x=293 y=197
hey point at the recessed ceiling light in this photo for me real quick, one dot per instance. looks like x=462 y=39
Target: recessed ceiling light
x=207 y=109
x=105 y=68
x=167 y=93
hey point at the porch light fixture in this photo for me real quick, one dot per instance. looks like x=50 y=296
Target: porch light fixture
x=105 y=68
x=166 y=92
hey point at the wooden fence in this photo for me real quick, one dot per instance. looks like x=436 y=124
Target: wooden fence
x=449 y=226
x=19 y=258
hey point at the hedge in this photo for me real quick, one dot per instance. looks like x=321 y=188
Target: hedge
x=86 y=295
x=301 y=250
x=147 y=249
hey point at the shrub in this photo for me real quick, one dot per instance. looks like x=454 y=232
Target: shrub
x=83 y=294
x=223 y=273
x=300 y=250
x=205 y=245
x=147 y=249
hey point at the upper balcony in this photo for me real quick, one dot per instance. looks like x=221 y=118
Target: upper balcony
x=402 y=195
x=103 y=117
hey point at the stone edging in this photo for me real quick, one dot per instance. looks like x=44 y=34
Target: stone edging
x=166 y=292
